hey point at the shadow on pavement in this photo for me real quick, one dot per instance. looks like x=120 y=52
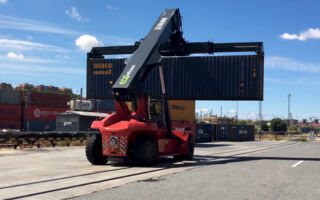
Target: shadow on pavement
x=209 y=145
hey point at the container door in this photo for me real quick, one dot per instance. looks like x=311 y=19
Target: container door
x=223 y=133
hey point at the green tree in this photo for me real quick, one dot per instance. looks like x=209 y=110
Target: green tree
x=264 y=126
x=242 y=122
x=278 y=124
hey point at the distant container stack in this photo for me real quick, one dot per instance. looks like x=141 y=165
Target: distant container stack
x=205 y=132
x=76 y=121
x=221 y=132
x=103 y=105
x=81 y=105
x=41 y=109
x=10 y=108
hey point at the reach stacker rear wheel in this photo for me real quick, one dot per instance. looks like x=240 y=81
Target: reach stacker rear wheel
x=94 y=150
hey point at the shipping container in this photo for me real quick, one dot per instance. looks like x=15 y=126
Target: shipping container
x=222 y=133
x=47 y=99
x=205 y=132
x=182 y=110
x=10 y=124
x=241 y=133
x=10 y=97
x=81 y=105
x=237 y=77
x=5 y=86
x=10 y=111
x=103 y=105
x=179 y=109
x=42 y=113
x=74 y=121
x=41 y=125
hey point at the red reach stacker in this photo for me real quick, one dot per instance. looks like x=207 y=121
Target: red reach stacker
x=146 y=133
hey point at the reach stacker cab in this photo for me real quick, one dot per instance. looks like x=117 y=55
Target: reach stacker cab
x=145 y=132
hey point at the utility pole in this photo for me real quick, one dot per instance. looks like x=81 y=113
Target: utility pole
x=289 y=113
x=260 y=114
x=237 y=111
x=221 y=111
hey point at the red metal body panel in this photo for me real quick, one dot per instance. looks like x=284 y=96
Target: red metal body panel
x=127 y=131
x=184 y=125
x=122 y=129
x=43 y=113
x=9 y=112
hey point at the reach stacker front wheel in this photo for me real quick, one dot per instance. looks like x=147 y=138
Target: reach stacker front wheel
x=189 y=155
x=94 y=150
x=146 y=151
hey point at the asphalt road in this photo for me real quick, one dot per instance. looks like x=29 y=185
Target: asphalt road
x=291 y=172
x=220 y=170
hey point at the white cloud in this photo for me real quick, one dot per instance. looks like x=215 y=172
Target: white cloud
x=3 y=1
x=22 y=45
x=311 y=33
x=21 y=58
x=63 y=57
x=109 y=7
x=273 y=80
x=37 y=69
x=203 y=110
x=290 y=64
x=14 y=56
x=74 y=14
x=29 y=37
x=15 y=23
x=86 y=42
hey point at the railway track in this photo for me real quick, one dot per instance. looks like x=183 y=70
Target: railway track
x=84 y=183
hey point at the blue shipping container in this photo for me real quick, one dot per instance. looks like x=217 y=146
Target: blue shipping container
x=41 y=125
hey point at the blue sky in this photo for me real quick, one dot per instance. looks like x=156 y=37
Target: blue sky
x=45 y=42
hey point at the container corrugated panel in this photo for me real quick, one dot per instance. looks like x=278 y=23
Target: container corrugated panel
x=73 y=122
x=182 y=110
x=241 y=133
x=10 y=124
x=222 y=132
x=49 y=100
x=42 y=125
x=101 y=74
x=10 y=111
x=10 y=97
x=205 y=132
x=82 y=105
x=179 y=109
x=67 y=122
x=43 y=113
x=103 y=104
x=238 y=77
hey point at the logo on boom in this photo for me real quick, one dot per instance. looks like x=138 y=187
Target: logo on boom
x=126 y=77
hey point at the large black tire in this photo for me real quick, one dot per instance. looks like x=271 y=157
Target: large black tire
x=146 y=151
x=94 y=150
x=189 y=155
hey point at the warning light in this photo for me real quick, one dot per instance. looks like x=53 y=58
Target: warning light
x=110 y=82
